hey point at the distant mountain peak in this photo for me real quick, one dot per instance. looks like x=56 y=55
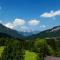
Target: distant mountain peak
x=56 y=28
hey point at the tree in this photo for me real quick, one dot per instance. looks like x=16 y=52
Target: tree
x=13 y=51
x=40 y=47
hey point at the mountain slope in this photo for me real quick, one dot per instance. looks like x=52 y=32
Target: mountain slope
x=54 y=32
x=10 y=32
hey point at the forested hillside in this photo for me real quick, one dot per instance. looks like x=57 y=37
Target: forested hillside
x=46 y=43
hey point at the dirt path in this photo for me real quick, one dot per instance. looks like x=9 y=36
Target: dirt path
x=52 y=58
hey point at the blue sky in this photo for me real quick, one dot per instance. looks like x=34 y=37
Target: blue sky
x=30 y=14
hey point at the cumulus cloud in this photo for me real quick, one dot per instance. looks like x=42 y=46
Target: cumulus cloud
x=33 y=22
x=10 y=25
x=19 y=22
x=50 y=14
x=16 y=22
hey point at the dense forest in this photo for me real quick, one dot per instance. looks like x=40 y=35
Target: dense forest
x=14 y=48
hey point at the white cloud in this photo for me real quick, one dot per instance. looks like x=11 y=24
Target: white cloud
x=24 y=27
x=19 y=22
x=33 y=22
x=42 y=26
x=16 y=22
x=51 y=14
x=9 y=25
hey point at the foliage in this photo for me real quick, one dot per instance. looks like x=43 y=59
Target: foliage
x=13 y=49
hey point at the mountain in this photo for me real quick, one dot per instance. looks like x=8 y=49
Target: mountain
x=15 y=34
x=27 y=33
x=54 y=32
x=7 y=31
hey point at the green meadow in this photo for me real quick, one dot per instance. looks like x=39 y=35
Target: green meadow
x=30 y=55
x=1 y=50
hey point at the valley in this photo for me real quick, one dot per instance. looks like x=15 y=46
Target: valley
x=33 y=47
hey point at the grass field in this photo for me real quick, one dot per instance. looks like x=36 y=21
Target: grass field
x=30 y=55
x=1 y=49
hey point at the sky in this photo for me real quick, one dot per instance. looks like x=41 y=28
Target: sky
x=30 y=15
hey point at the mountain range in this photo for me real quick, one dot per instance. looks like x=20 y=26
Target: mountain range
x=53 y=32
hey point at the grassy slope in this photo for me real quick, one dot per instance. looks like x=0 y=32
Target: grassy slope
x=30 y=55
x=1 y=49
